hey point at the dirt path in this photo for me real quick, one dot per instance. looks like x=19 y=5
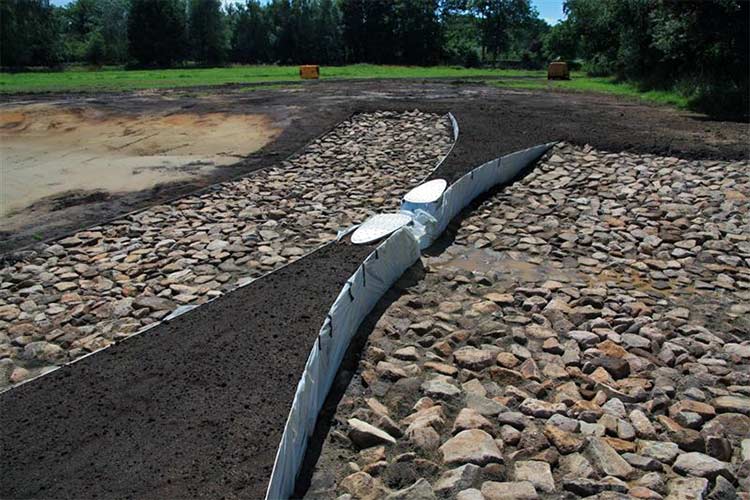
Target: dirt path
x=511 y=120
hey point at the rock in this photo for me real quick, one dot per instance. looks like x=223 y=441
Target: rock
x=662 y=451
x=705 y=411
x=44 y=351
x=575 y=466
x=644 y=493
x=723 y=490
x=458 y=479
x=390 y=371
x=733 y=404
x=700 y=465
x=473 y=359
x=471 y=446
x=363 y=486
x=537 y=473
x=470 y=494
x=440 y=387
x=484 y=406
x=643 y=427
x=9 y=312
x=470 y=419
x=406 y=354
x=605 y=459
x=641 y=462
x=519 y=490
x=154 y=303
x=503 y=299
x=653 y=481
x=421 y=490
x=364 y=435
x=565 y=442
x=617 y=367
x=687 y=488
x=590 y=487
x=541 y=409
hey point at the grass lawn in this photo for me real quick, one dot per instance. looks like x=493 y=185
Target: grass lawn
x=79 y=79
x=116 y=79
x=579 y=82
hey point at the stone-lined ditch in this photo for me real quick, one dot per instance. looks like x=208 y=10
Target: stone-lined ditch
x=586 y=333
x=83 y=292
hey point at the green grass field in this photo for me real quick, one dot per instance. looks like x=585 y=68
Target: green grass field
x=117 y=79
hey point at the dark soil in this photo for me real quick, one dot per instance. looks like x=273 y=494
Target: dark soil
x=493 y=122
x=196 y=407
x=191 y=408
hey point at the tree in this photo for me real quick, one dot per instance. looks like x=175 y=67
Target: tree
x=29 y=33
x=353 y=29
x=95 y=49
x=250 y=34
x=328 y=33
x=206 y=32
x=418 y=31
x=96 y=27
x=156 y=31
x=561 y=42
x=496 y=19
x=114 y=29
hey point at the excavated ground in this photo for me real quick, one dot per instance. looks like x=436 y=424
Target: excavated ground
x=584 y=332
x=291 y=302
x=90 y=289
x=506 y=120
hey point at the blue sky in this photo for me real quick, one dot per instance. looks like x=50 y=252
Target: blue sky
x=549 y=10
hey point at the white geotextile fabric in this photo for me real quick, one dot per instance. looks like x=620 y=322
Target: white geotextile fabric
x=360 y=294
x=363 y=290
x=462 y=192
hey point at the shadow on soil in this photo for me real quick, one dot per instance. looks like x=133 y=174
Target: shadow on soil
x=353 y=355
x=346 y=372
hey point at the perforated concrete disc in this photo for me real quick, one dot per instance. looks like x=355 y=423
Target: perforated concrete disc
x=379 y=226
x=427 y=193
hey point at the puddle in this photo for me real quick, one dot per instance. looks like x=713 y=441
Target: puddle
x=47 y=150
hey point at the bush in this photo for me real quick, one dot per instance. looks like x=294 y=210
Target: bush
x=471 y=59
x=599 y=65
x=95 y=49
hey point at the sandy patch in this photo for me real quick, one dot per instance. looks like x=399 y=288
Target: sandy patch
x=47 y=150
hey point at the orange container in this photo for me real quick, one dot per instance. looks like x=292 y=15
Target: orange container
x=309 y=72
x=558 y=71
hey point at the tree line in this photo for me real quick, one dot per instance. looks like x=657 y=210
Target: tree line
x=205 y=32
x=698 y=47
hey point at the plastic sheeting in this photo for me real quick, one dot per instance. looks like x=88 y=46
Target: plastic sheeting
x=360 y=294
x=363 y=290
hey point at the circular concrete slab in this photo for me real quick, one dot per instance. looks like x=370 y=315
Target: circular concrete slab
x=379 y=226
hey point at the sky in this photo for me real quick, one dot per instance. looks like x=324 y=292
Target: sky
x=549 y=10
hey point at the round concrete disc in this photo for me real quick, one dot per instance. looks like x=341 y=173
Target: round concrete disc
x=427 y=193
x=379 y=226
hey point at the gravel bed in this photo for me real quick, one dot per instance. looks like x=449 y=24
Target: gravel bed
x=81 y=293
x=586 y=333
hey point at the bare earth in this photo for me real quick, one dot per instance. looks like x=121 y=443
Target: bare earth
x=50 y=151
x=76 y=160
